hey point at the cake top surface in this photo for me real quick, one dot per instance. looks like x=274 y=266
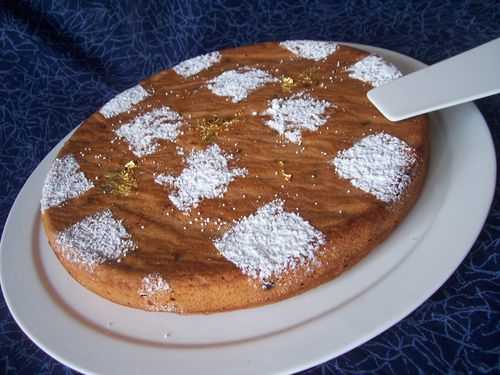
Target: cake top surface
x=248 y=160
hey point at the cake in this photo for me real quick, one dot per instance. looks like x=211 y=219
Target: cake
x=235 y=179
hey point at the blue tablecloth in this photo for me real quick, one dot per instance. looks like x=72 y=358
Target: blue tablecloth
x=61 y=60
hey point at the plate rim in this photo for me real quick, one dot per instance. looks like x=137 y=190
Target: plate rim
x=328 y=354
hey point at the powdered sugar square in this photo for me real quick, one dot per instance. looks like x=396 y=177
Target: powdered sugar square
x=143 y=133
x=378 y=164
x=270 y=241
x=96 y=239
x=124 y=101
x=237 y=84
x=310 y=49
x=197 y=64
x=153 y=283
x=206 y=176
x=290 y=116
x=374 y=70
x=64 y=181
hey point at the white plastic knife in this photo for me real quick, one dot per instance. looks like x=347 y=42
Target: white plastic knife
x=463 y=78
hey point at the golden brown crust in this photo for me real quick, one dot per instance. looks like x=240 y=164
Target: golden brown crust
x=201 y=279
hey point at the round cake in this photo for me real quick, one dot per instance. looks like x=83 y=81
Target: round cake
x=237 y=178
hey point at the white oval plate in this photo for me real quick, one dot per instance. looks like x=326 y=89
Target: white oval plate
x=92 y=335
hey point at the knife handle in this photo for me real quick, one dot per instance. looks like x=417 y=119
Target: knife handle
x=463 y=78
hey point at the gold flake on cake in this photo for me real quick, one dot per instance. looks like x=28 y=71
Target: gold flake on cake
x=310 y=77
x=122 y=182
x=287 y=83
x=210 y=128
x=286 y=176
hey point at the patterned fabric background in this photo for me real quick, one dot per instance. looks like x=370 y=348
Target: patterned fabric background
x=61 y=60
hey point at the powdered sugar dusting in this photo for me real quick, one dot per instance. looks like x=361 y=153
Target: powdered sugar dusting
x=374 y=70
x=237 y=84
x=96 y=239
x=378 y=164
x=197 y=64
x=153 y=283
x=143 y=133
x=206 y=176
x=164 y=179
x=290 y=116
x=270 y=241
x=64 y=181
x=310 y=49
x=124 y=101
